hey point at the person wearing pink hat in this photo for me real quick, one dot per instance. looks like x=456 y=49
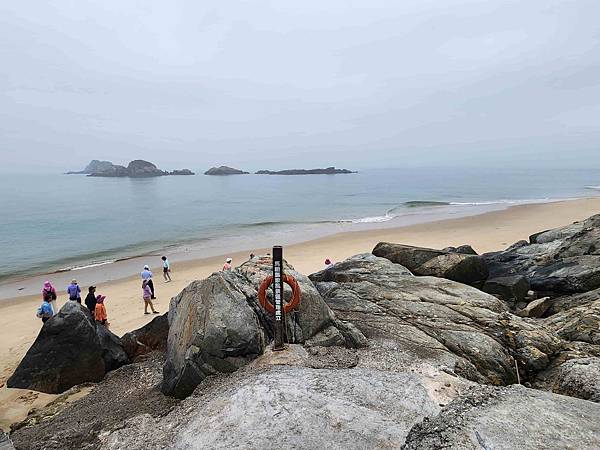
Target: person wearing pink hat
x=100 y=311
x=49 y=293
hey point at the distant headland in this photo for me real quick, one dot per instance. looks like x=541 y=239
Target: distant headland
x=135 y=169
x=224 y=170
x=327 y=171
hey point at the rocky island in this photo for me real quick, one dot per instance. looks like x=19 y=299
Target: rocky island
x=404 y=347
x=224 y=170
x=327 y=171
x=135 y=169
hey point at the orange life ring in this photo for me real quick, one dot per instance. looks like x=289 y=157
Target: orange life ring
x=287 y=307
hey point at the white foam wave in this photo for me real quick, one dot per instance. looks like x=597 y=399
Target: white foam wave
x=87 y=266
x=595 y=188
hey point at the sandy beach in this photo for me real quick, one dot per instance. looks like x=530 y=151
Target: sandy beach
x=486 y=232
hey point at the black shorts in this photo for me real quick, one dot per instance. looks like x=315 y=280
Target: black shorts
x=165 y=269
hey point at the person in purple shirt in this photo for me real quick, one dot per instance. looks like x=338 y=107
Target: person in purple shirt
x=147 y=276
x=74 y=291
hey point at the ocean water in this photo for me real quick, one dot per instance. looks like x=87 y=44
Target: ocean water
x=56 y=222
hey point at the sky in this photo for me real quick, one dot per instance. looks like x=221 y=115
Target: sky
x=281 y=84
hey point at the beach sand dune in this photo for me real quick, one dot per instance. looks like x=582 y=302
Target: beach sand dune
x=487 y=232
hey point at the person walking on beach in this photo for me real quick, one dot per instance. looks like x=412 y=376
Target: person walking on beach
x=147 y=296
x=74 y=291
x=100 y=310
x=45 y=311
x=147 y=276
x=49 y=291
x=90 y=300
x=166 y=269
x=227 y=265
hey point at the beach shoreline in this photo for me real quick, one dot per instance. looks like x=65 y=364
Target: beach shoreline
x=490 y=231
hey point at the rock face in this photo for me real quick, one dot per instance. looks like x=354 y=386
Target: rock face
x=113 y=353
x=217 y=325
x=94 y=166
x=66 y=352
x=143 y=169
x=561 y=261
x=447 y=324
x=224 y=170
x=327 y=171
x=464 y=268
x=512 y=289
x=152 y=336
x=577 y=378
x=485 y=418
x=212 y=329
x=182 y=172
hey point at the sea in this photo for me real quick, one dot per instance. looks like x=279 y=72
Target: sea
x=56 y=223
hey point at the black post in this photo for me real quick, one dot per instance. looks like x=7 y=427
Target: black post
x=278 y=297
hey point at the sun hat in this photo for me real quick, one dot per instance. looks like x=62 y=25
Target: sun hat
x=228 y=260
x=100 y=298
x=146 y=267
x=74 y=281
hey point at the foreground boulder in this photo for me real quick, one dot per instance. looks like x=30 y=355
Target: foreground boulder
x=510 y=418
x=512 y=289
x=113 y=353
x=576 y=378
x=561 y=261
x=451 y=325
x=212 y=329
x=152 y=336
x=66 y=352
x=448 y=263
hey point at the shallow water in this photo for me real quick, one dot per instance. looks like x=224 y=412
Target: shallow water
x=59 y=222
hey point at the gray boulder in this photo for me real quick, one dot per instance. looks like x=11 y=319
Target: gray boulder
x=576 y=378
x=212 y=329
x=464 y=249
x=312 y=315
x=561 y=261
x=581 y=323
x=448 y=263
x=512 y=289
x=152 y=336
x=565 y=302
x=510 y=418
x=467 y=269
x=406 y=255
x=447 y=324
x=536 y=308
x=66 y=352
x=113 y=353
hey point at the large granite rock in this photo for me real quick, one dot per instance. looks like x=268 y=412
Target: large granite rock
x=510 y=418
x=565 y=302
x=66 y=352
x=580 y=323
x=113 y=353
x=224 y=170
x=451 y=325
x=512 y=289
x=152 y=336
x=450 y=264
x=578 y=377
x=212 y=329
x=561 y=261
x=296 y=399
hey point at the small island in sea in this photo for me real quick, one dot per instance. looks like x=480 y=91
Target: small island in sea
x=224 y=170
x=327 y=171
x=135 y=169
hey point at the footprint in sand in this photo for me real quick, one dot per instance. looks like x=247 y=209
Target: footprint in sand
x=29 y=397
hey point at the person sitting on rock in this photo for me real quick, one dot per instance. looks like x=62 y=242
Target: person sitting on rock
x=227 y=265
x=100 y=310
x=147 y=296
x=328 y=263
x=90 y=300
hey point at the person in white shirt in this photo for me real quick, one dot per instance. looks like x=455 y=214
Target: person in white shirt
x=166 y=269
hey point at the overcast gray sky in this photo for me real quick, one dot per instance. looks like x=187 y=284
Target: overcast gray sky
x=276 y=84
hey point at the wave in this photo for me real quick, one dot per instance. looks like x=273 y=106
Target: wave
x=421 y=203
x=88 y=266
x=594 y=188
